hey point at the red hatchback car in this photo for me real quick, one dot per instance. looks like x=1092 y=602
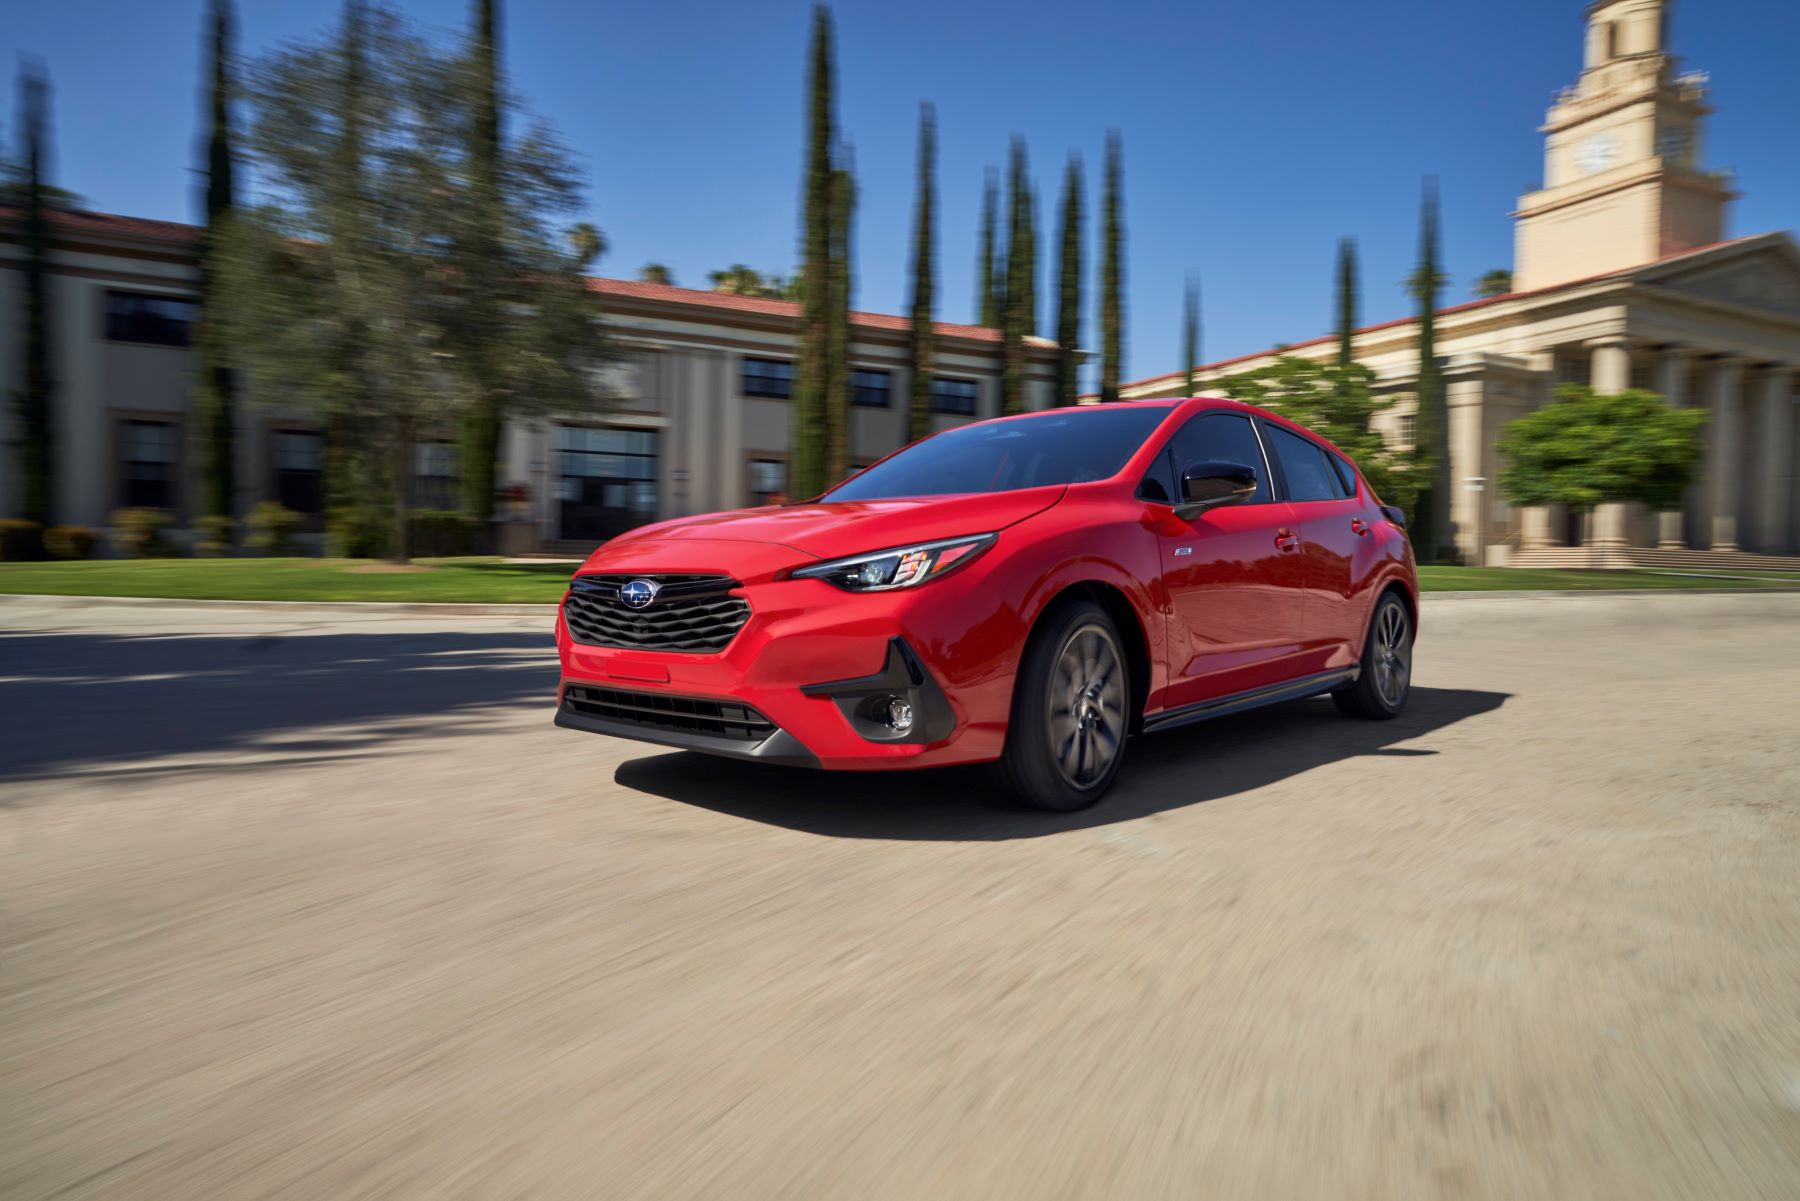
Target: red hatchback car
x=1029 y=591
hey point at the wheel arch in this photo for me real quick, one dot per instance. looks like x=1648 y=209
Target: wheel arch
x=1112 y=601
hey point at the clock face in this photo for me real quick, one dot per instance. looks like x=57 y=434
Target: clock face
x=1598 y=153
x=1674 y=143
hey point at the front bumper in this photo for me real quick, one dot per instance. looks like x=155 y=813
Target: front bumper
x=813 y=662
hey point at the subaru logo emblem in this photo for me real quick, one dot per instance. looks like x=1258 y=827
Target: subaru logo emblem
x=639 y=593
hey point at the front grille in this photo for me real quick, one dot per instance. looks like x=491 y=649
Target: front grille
x=695 y=614
x=720 y=719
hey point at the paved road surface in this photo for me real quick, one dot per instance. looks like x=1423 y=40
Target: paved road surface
x=327 y=909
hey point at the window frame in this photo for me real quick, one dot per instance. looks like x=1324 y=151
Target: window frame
x=744 y=389
x=887 y=388
x=106 y=317
x=974 y=409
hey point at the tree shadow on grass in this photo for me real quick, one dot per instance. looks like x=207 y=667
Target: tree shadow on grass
x=74 y=703
x=1162 y=771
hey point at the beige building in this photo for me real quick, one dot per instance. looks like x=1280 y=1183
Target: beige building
x=1623 y=277
x=698 y=421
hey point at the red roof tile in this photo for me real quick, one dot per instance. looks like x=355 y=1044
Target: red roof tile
x=81 y=221
x=670 y=294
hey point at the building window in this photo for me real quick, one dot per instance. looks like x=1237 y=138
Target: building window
x=607 y=480
x=1407 y=434
x=300 y=470
x=871 y=389
x=147 y=464
x=772 y=379
x=954 y=395
x=434 y=475
x=141 y=317
x=1574 y=369
x=768 y=481
x=1640 y=374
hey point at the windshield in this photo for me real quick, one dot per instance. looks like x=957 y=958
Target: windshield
x=1068 y=447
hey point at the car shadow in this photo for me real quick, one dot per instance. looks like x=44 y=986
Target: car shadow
x=77 y=703
x=1164 y=771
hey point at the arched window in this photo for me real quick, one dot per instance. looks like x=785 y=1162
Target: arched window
x=1612 y=40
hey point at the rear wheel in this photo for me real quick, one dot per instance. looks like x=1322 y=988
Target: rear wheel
x=1070 y=714
x=1380 y=691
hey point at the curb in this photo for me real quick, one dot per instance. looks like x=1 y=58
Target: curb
x=548 y=611
x=439 y=608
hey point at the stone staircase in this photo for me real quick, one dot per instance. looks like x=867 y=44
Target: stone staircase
x=1622 y=558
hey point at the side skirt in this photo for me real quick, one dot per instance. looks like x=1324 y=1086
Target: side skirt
x=1255 y=698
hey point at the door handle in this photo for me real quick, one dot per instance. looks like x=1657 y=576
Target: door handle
x=1286 y=540
x=1359 y=526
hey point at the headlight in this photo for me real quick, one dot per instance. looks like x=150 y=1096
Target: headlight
x=902 y=567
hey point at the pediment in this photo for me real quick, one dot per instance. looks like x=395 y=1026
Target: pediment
x=1765 y=277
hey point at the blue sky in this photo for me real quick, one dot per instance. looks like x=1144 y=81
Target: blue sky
x=1255 y=134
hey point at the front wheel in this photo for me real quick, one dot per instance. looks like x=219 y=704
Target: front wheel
x=1380 y=691
x=1070 y=714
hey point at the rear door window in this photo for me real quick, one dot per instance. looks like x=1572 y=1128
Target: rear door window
x=1303 y=466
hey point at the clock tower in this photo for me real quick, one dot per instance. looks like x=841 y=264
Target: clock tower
x=1623 y=185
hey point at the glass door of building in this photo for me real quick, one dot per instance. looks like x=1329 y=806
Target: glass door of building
x=607 y=481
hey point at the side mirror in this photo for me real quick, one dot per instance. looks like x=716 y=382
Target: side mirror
x=1212 y=484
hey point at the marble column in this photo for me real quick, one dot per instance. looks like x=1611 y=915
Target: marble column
x=1724 y=390
x=1611 y=374
x=1673 y=367
x=1775 y=475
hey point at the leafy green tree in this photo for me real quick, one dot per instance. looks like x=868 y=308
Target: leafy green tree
x=1190 y=336
x=1347 y=302
x=1429 y=523
x=837 y=376
x=215 y=407
x=352 y=290
x=1021 y=268
x=659 y=273
x=35 y=402
x=741 y=280
x=987 y=275
x=1494 y=283
x=1340 y=404
x=808 y=439
x=922 y=350
x=1584 y=450
x=1112 y=274
x=1068 y=289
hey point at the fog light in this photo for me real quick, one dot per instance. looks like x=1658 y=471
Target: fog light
x=899 y=715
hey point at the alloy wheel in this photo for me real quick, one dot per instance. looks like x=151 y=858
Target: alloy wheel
x=1087 y=706
x=1393 y=654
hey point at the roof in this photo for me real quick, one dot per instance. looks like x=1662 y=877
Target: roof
x=670 y=294
x=84 y=221
x=1453 y=310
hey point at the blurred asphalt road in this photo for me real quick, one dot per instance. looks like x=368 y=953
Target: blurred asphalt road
x=323 y=907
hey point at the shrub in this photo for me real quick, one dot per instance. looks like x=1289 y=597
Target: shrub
x=70 y=541
x=442 y=533
x=141 y=532
x=20 y=540
x=355 y=532
x=271 y=528
x=215 y=536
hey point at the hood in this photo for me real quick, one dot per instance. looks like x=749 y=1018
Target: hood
x=837 y=528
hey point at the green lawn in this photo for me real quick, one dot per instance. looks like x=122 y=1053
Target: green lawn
x=494 y=581
x=487 y=581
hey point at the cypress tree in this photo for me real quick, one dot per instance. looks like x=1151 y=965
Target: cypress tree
x=347 y=484
x=1347 y=302
x=1068 y=289
x=1190 y=334
x=1431 y=532
x=483 y=261
x=215 y=407
x=35 y=401
x=812 y=376
x=1112 y=275
x=837 y=375
x=1016 y=314
x=924 y=283
x=987 y=294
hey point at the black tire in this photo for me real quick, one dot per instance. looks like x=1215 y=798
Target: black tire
x=1380 y=692
x=1071 y=712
